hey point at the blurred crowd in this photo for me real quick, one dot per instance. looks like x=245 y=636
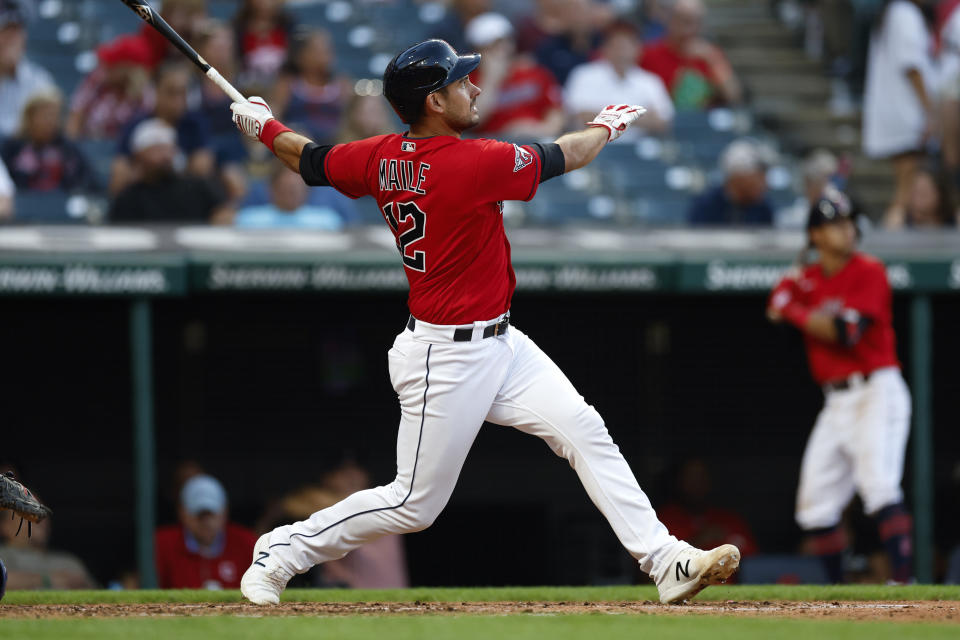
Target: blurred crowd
x=151 y=137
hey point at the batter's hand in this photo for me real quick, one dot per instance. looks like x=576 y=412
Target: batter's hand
x=616 y=118
x=251 y=116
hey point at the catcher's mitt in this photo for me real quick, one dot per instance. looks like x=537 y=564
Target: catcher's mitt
x=17 y=498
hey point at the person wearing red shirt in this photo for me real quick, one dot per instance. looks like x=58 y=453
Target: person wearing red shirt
x=696 y=72
x=842 y=304
x=204 y=551
x=460 y=361
x=519 y=96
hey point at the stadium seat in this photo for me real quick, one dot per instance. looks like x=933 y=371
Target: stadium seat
x=45 y=208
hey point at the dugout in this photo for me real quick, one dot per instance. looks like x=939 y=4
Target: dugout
x=263 y=357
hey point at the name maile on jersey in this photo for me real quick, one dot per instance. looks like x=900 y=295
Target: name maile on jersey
x=399 y=175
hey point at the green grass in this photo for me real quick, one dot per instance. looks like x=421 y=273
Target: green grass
x=504 y=594
x=519 y=627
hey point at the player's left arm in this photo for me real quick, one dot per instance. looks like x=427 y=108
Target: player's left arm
x=255 y=119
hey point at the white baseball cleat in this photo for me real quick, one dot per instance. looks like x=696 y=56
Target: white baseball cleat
x=265 y=579
x=692 y=570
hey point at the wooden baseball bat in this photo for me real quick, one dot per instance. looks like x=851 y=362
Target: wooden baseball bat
x=155 y=20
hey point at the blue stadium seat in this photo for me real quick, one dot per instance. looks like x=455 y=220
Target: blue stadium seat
x=664 y=208
x=100 y=155
x=45 y=208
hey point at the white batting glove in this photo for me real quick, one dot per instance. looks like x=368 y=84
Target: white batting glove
x=616 y=118
x=251 y=116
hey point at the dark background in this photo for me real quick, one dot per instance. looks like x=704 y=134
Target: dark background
x=269 y=392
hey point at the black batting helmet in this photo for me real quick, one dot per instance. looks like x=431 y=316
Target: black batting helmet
x=419 y=71
x=833 y=206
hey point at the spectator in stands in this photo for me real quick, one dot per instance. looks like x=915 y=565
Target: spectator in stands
x=931 y=202
x=742 y=198
x=519 y=97
x=949 y=80
x=819 y=169
x=263 y=31
x=653 y=19
x=159 y=193
x=204 y=551
x=364 y=117
x=113 y=93
x=898 y=116
x=19 y=77
x=30 y=562
x=615 y=78
x=288 y=208
x=692 y=516
x=183 y=16
x=7 y=191
x=311 y=97
x=193 y=138
x=578 y=39
x=546 y=20
x=695 y=71
x=39 y=157
x=452 y=27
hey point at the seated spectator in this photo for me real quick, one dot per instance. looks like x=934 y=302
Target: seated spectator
x=204 y=551
x=113 y=93
x=32 y=564
x=288 y=207
x=160 y=194
x=819 y=169
x=577 y=40
x=519 y=97
x=692 y=516
x=898 y=105
x=7 y=191
x=312 y=96
x=19 y=77
x=263 y=32
x=39 y=157
x=696 y=72
x=193 y=140
x=616 y=79
x=545 y=21
x=931 y=203
x=653 y=19
x=365 y=117
x=742 y=198
x=452 y=27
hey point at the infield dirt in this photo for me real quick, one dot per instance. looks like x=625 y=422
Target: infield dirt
x=904 y=611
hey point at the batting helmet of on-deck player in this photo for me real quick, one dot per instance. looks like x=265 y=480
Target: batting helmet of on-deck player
x=419 y=71
x=833 y=206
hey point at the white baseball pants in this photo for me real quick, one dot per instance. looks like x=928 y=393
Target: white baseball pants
x=857 y=445
x=446 y=390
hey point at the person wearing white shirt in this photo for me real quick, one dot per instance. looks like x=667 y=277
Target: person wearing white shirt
x=6 y=193
x=614 y=79
x=898 y=104
x=19 y=78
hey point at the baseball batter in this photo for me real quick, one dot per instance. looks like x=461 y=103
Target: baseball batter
x=459 y=360
x=842 y=304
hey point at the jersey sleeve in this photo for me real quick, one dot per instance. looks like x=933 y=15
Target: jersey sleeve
x=506 y=171
x=871 y=296
x=345 y=167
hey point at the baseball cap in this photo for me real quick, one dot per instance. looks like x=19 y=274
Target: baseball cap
x=487 y=28
x=150 y=133
x=742 y=156
x=203 y=493
x=129 y=49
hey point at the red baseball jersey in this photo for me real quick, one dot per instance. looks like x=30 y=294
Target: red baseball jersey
x=443 y=199
x=180 y=568
x=860 y=287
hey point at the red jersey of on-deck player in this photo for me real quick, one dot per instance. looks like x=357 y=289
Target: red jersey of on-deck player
x=442 y=198
x=861 y=285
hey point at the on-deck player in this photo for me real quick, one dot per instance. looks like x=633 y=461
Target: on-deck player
x=842 y=304
x=459 y=361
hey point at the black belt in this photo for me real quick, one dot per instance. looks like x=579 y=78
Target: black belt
x=466 y=335
x=845 y=383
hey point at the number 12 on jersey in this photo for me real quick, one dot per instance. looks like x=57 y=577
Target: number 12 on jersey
x=407 y=211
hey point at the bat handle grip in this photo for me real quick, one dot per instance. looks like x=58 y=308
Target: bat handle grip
x=227 y=88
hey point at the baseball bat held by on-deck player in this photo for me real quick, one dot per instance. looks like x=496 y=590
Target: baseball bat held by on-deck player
x=155 y=20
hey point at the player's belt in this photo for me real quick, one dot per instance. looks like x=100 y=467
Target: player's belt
x=466 y=334
x=854 y=380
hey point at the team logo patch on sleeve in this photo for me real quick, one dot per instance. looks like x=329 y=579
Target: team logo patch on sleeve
x=406 y=145
x=522 y=158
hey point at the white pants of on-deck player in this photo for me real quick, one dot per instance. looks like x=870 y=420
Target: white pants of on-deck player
x=857 y=445
x=446 y=390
